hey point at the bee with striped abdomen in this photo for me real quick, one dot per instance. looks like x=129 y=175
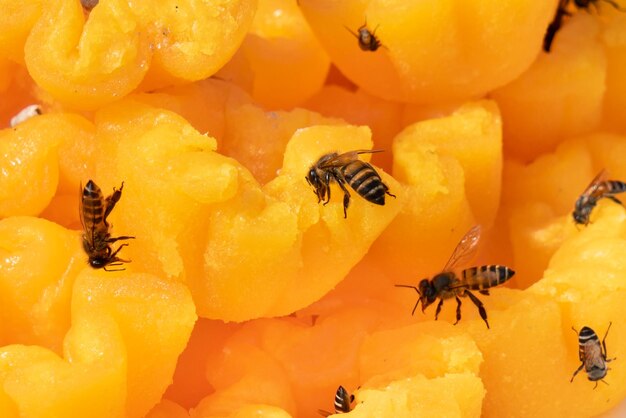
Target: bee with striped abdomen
x=451 y=284
x=367 y=39
x=343 y=400
x=562 y=12
x=592 y=355
x=345 y=169
x=94 y=210
x=599 y=188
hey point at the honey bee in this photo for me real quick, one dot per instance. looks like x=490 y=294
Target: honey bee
x=343 y=400
x=448 y=284
x=592 y=355
x=367 y=39
x=94 y=210
x=347 y=168
x=562 y=12
x=599 y=188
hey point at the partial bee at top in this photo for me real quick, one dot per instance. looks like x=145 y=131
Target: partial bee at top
x=94 y=210
x=599 y=188
x=347 y=169
x=366 y=37
x=563 y=11
x=452 y=284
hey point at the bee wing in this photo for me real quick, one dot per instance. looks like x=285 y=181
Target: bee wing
x=597 y=181
x=465 y=249
x=347 y=157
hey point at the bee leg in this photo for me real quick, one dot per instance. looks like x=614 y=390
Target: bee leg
x=479 y=304
x=604 y=344
x=326 y=193
x=387 y=191
x=616 y=200
x=439 y=305
x=576 y=372
x=346 y=197
x=484 y=292
x=111 y=240
x=111 y=201
x=113 y=256
x=615 y=5
x=458 y=310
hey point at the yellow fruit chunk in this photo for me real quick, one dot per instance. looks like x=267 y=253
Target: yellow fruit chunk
x=260 y=411
x=119 y=355
x=451 y=168
x=30 y=171
x=525 y=370
x=454 y=395
x=17 y=19
x=614 y=37
x=257 y=139
x=245 y=375
x=287 y=62
x=86 y=64
x=168 y=409
x=90 y=381
x=430 y=349
x=204 y=104
x=432 y=51
x=39 y=263
x=560 y=96
x=194 y=39
x=539 y=197
x=155 y=318
x=214 y=225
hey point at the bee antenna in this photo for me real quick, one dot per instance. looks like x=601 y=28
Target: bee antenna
x=574 y=329
x=350 y=30
x=418 y=292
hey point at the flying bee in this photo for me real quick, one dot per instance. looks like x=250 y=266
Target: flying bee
x=599 y=188
x=94 y=210
x=367 y=39
x=347 y=168
x=562 y=12
x=592 y=355
x=450 y=284
x=343 y=400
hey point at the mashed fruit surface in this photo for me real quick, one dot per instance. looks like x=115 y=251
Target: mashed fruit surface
x=243 y=296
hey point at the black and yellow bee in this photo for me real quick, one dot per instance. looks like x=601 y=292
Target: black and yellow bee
x=562 y=12
x=592 y=355
x=451 y=284
x=343 y=402
x=367 y=39
x=94 y=210
x=345 y=169
x=599 y=188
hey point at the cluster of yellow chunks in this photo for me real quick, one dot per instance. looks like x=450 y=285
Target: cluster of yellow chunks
x=245 y=296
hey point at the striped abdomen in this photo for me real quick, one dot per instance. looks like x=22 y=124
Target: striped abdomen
x=92 y=208
x=484 y=277
x=365 y=181
x=614 y=186
x=342 y=400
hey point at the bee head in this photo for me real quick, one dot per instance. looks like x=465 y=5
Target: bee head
x=580 y=216
x=428 y=294
x=98 y=262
